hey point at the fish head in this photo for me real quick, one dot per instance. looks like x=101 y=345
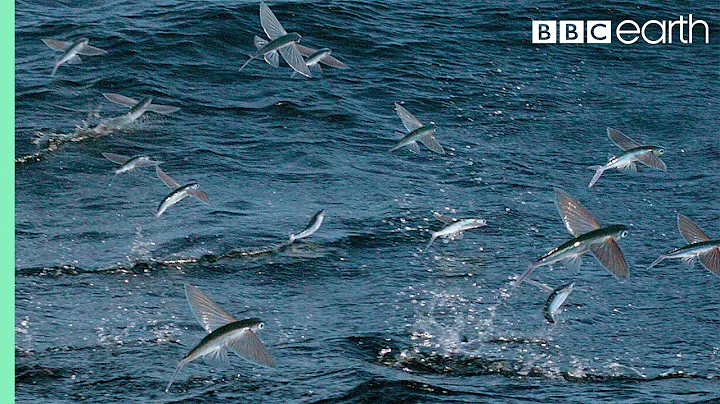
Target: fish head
x=569 y=287
x=294 y=36
x=659 y=151
x=83 y=41
x=255 y=324
x=193 y=185
x=621 y=231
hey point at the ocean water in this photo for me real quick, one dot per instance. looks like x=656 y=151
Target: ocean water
x=358 y=312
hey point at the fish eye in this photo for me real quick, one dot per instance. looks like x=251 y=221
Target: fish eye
x=261 y=326
x=624 y=233
x=661 y=151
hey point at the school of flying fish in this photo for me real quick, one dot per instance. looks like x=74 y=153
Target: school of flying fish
x=226 y=333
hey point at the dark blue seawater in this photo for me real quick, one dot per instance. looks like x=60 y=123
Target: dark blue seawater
x=357 y=313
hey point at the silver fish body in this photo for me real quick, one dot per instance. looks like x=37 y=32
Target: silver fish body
x=700 y=247
x=139 y=109
x=414 y=136
x=555 y=300
x=589 y=236
x=417 y=133
x=133 y=163
x=689 y=252
x=633 y=153
x=71 y=50
x=225 y=332
x=176 y=196
x=311 y=228
x=318 y=56
x=128 y=164
x=220 y=337
x=455 y=228
x=281 y=42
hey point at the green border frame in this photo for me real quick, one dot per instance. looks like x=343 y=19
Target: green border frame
x=7 y=203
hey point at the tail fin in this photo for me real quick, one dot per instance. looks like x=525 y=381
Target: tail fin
x=525 y=274
x=174 y=375
x=54 y=70
x=432 y=240
x=599 y=170
x=245 y=64
x=657 y=261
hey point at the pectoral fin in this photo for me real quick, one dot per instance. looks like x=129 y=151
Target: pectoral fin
x=650 y=159
x=116 y=158
x=208 y=314
x=610 y=256
x=711 y=260
x=166 y=178
x=249 y=347
x=200 y=195
x=121 y=99
x=57 y=45
x=162 y=109
x=690 y=231
x=88 y=50
x=621 y=140
x=432 y=144
x=577 y=219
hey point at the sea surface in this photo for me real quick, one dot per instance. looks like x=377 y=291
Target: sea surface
x=358 y=313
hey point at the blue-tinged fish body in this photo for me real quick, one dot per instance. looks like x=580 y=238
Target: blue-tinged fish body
x=219 y=337
x=175 y=197
x=693 y=250
x=414 y=136
x=631 y=156
x=277 y=43
x=581 y=244
x=139 y=109
x=555 y=300
x=312 y=227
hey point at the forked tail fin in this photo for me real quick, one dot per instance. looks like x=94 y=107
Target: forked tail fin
x=599 y=170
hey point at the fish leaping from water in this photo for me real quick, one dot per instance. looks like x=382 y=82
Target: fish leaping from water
x=71 y=50
x=311 y=228
x=128 y=164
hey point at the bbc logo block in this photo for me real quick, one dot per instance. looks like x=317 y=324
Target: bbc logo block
x=571 y=31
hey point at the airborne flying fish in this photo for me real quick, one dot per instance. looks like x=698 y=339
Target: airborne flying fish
x=179 y=192
x=633 y=152
x=281 y=42
x=555 y=300
x=224 y=332
x=138 y=108
x=311 y=228
x=699 y=246
x=418 y=132
x=455 y=227
x=130 y=163
x=589 y=235
x=71 y=50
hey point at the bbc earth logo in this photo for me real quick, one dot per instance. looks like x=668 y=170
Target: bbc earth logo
x=627 y=32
